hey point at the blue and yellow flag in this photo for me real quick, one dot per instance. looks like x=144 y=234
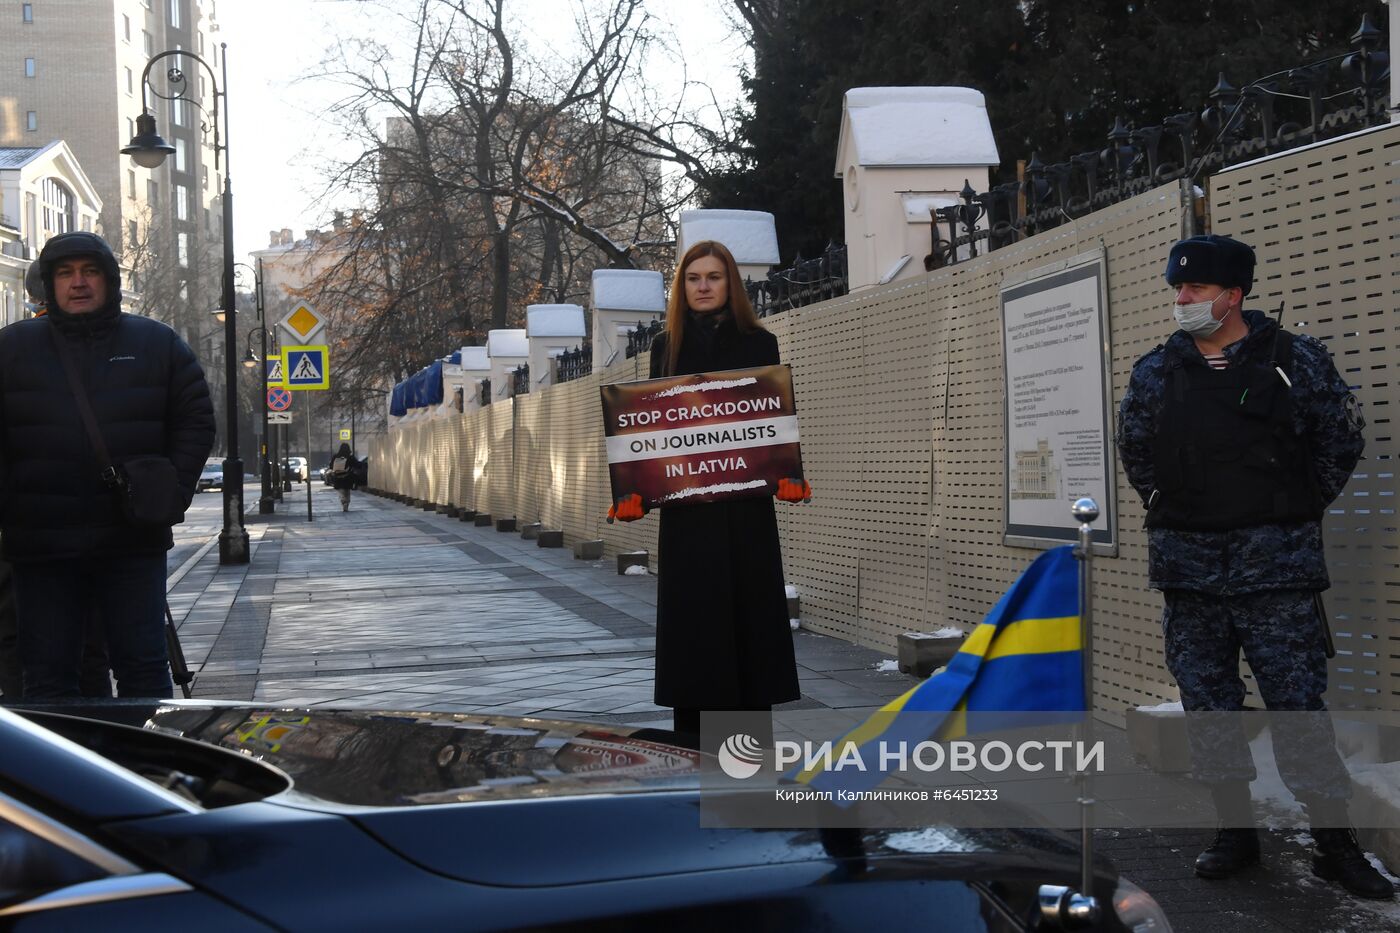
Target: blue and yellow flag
x=1024 y=656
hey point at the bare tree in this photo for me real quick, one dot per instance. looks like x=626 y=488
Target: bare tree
x=496 y=178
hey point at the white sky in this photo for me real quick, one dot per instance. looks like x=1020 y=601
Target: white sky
x=280 y=137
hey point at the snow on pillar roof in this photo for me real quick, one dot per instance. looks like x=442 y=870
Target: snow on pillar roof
x=475 y=359
x=507 y=344
x=629 y=290
x=554 y=321
x=750 y=235
x=901 y=127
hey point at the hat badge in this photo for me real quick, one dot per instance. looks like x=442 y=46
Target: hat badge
x=1181 y=261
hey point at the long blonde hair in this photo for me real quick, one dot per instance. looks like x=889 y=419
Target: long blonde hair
x=738 y=299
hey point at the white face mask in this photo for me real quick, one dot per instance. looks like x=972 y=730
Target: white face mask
x=1198 y=319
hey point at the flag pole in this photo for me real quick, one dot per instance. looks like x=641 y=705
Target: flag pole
x=1085 y=511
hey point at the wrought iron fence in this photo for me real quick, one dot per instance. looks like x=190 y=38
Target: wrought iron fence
x=1270 y=114
x=574 y=364
x=639 y=340
x=805 y=282
x=520 y=380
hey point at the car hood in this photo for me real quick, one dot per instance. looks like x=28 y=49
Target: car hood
x=478 y=797
x=372 y=758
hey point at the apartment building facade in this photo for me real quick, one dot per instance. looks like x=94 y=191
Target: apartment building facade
x=71 y=70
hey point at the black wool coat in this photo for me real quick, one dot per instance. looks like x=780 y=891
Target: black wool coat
x=149 y=396
x=722 y=636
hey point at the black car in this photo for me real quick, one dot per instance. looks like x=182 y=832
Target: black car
x=227 y=817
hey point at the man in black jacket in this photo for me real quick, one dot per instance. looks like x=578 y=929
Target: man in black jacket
x=74 y=553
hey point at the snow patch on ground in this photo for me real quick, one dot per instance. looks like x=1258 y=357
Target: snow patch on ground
x=948 y=631
x=1171 y=706
x=1383 y=780
x=887 y=666
x=794 y=624
x=636 y=570
x=790 y=590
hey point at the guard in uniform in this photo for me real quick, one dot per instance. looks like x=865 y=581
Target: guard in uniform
x=1237 y=434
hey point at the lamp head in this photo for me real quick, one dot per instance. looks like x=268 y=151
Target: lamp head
x=147 y=149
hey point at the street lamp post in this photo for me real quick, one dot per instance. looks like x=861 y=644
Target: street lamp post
x=149 y=150
x=265 y=506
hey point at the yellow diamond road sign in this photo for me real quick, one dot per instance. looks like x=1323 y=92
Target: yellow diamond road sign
x=302 y=323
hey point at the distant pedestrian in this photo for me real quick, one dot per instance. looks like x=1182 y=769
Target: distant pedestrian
x=80 y=542
x=343 y=475
x=723 y=641
x=1237 y=435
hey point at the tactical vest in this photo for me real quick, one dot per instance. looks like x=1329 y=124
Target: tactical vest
x=1226 y=453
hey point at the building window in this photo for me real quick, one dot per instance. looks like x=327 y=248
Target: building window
x=31 y=120
x=174 y=14
x=131 y=234
x=146 y=44
x=182 y=249
x=131 y=183
x=126 y=27
x=182 y=202
x=179 y=111
x=130 y=81
x=181 y=157
x=130 y=129
x=152 y=192
x=204 y=177
x=29 y=67
x=26 y=12
x=201 y=45
x=58 y=207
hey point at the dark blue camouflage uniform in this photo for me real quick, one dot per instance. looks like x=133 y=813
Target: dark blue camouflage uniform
x=1249 y=588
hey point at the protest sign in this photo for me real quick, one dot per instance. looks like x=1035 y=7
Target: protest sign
x=703 y=437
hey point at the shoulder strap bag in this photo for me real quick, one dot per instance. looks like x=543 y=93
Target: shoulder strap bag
x=147 y=488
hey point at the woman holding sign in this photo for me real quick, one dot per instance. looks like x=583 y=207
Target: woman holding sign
x=722 y=636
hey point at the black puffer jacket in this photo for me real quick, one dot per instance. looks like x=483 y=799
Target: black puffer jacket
x=150 y=398
x=722 y=636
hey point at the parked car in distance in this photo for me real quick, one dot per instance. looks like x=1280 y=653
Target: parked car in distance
x=212 y=475
x=297 y=469
x=474 y=822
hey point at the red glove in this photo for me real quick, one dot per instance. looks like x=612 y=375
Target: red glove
x=626 y=509
x=794 y=490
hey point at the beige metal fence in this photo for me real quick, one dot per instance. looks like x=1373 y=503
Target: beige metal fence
x=1323 y=223
x=900 y=405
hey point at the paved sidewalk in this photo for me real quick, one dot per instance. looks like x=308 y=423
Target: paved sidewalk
x=392 y=607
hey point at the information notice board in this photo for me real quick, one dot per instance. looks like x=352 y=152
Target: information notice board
x=1059 y=440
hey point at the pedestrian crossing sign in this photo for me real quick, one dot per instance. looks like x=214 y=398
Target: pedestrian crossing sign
x=306 y=367
x=274 y=371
